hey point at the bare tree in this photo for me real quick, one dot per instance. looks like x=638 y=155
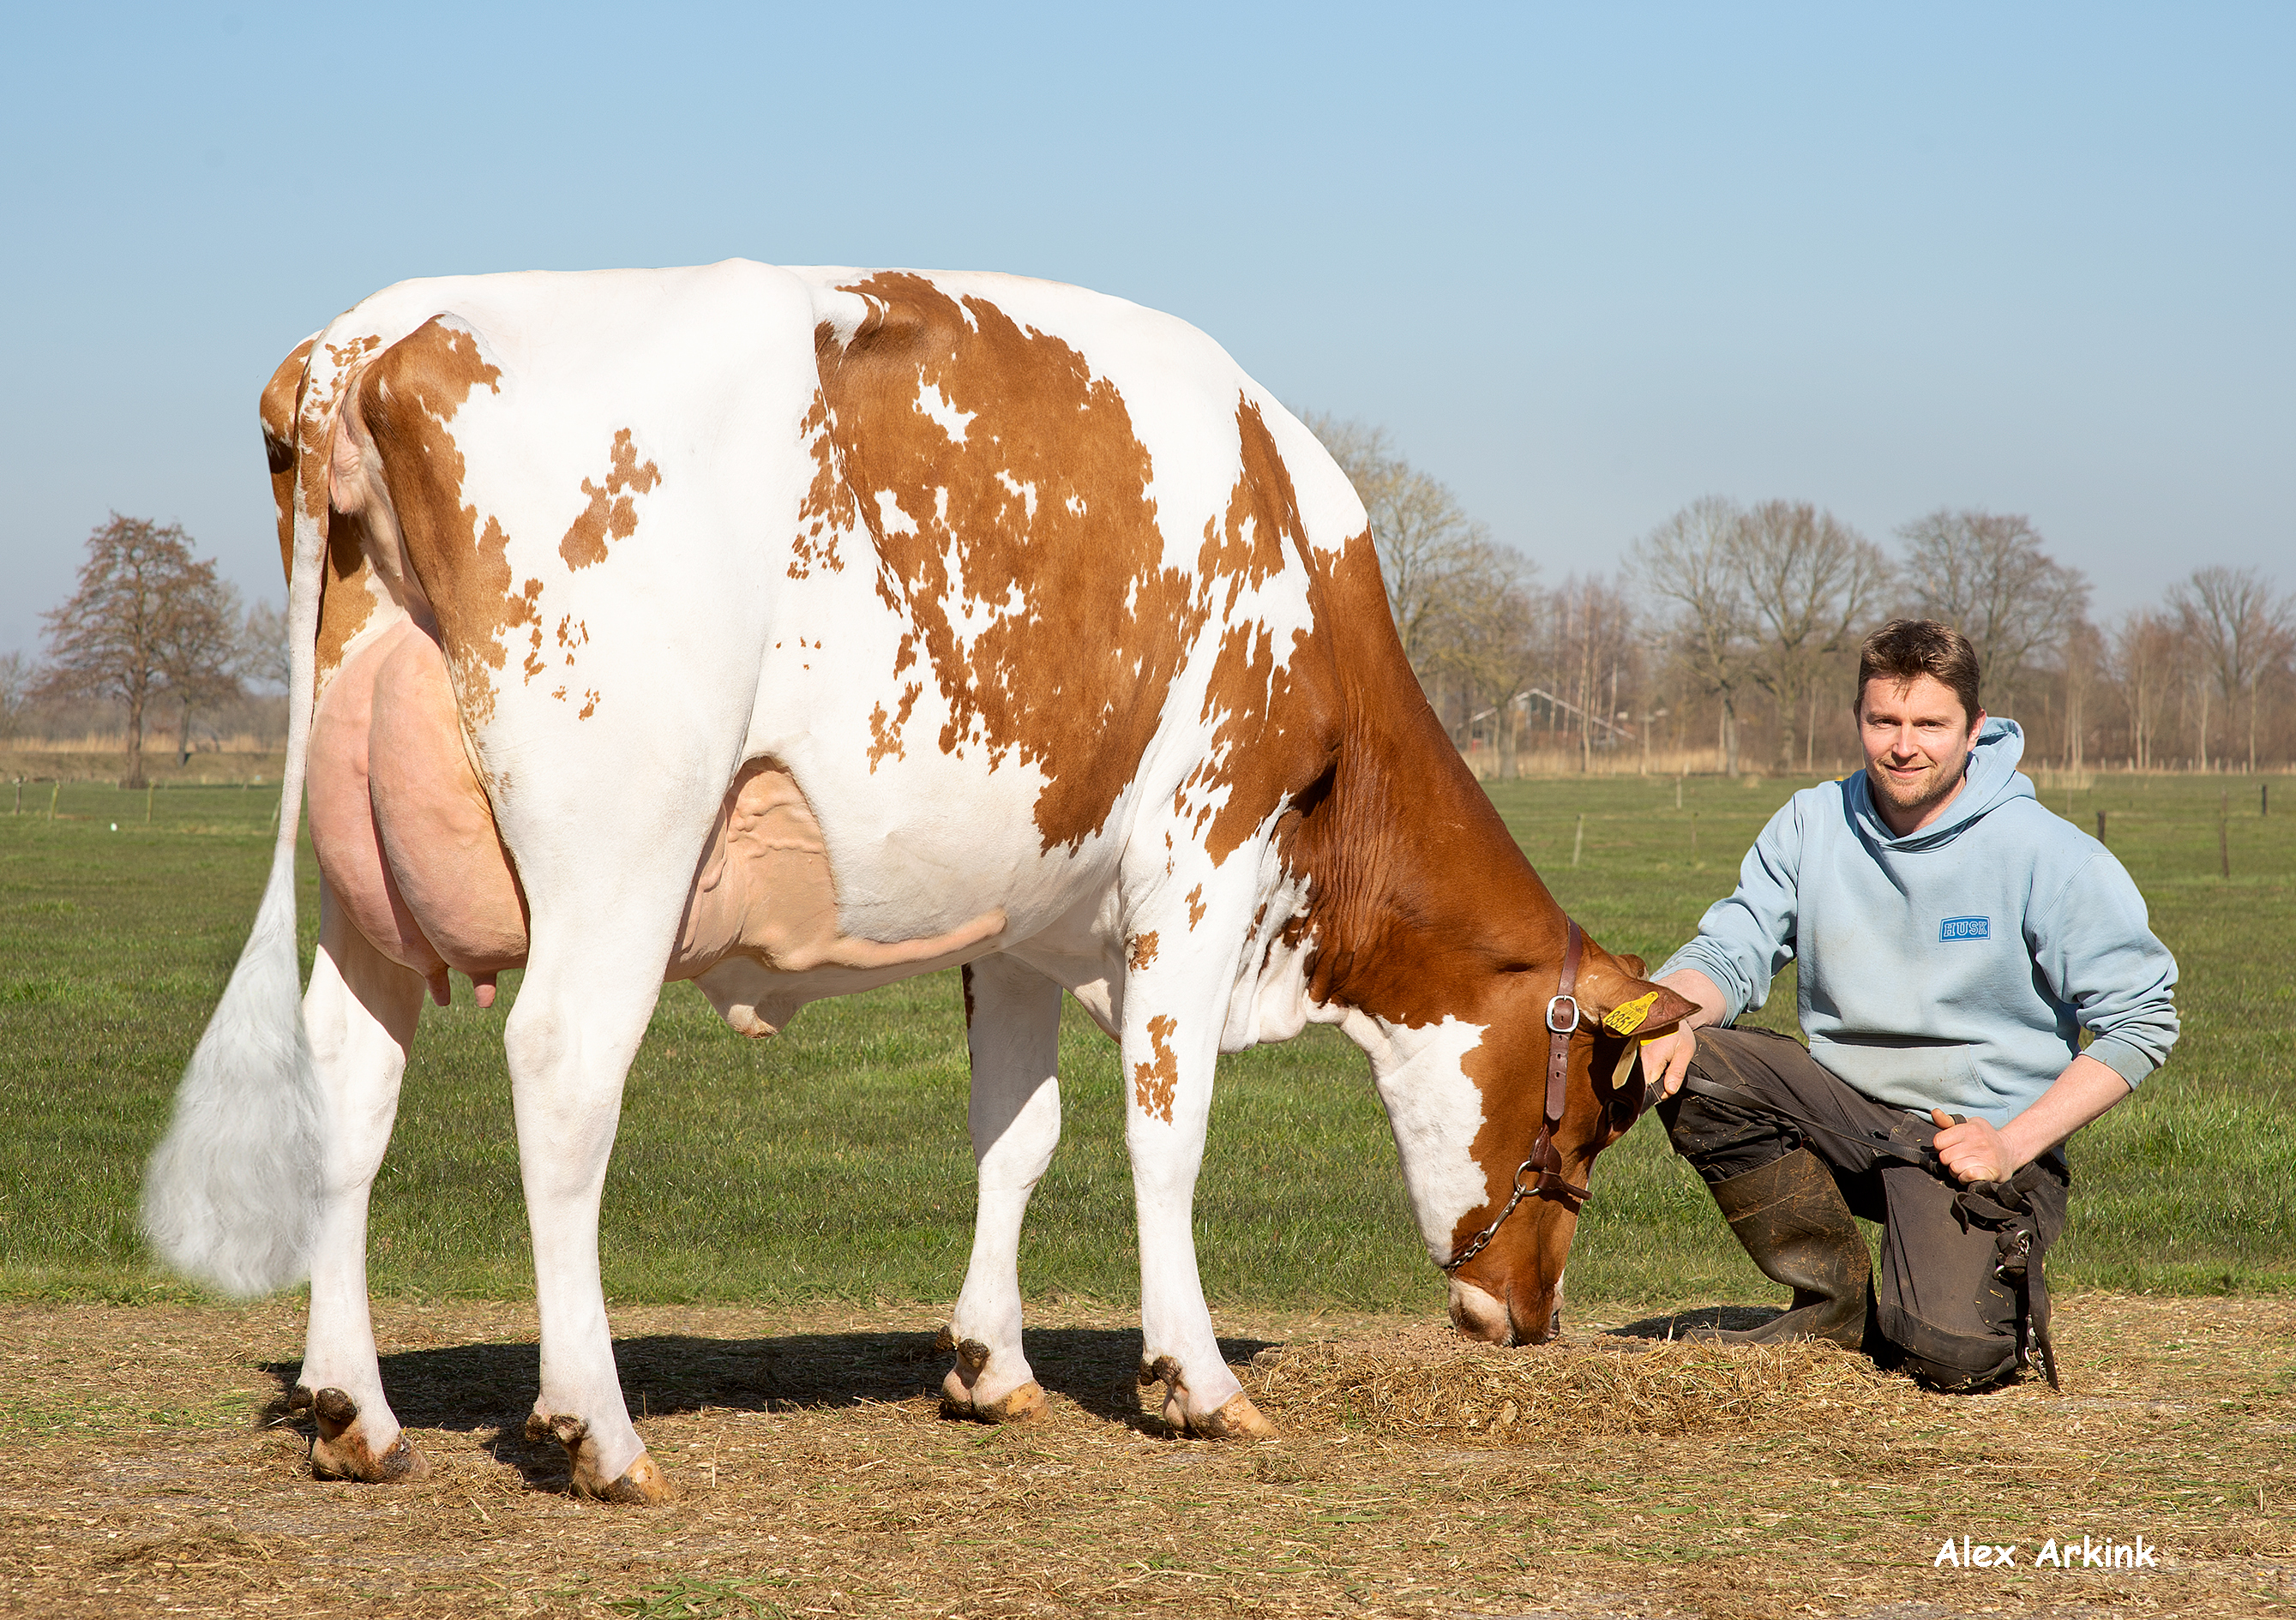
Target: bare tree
x=1691 y=559
x=1490 y=650
x=1812 y=583
x=2082 y=658
x=2144 y=664
x=263 y=656
x=2241 y=627
x=1985 y=574
x=202 y=652
x=139 y=620
x=1592 y=640
x=16 y=683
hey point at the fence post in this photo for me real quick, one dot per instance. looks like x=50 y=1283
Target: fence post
x=1578 y=841
x=2264 y=798
x=2224 y=834
x=148 y=787
x=52 y=791
x=2100 y=826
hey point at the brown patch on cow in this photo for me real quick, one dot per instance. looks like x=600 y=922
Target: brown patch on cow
x=347 y=597
x=885 y=732
x=827 y=511
x=1153 y=1084
x=1140 y=950
x=612 y=512
x=346 y=593
x=1196 y=907
x=590 y=708
x=1041 y=512
x=1278 y=728
x=407 y=400
x=282 y=399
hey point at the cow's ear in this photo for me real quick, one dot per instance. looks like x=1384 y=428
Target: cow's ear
x=1625 y=1003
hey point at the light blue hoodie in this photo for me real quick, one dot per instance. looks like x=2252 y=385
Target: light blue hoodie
x=1952 y=968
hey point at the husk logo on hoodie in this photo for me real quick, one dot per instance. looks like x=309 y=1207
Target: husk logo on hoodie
x=1964 y=927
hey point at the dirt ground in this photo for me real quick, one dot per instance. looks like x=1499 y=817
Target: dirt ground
x=147 y=1473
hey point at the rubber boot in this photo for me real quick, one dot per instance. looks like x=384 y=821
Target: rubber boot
x=1793 y=1220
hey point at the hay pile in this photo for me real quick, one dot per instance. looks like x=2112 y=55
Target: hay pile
x=1429 y=1383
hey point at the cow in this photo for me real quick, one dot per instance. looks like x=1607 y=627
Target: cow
x=794 y=631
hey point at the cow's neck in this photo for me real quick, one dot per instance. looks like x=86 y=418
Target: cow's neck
x=1418 y=896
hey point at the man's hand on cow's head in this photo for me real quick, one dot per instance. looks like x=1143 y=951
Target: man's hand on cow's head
x=1973 y=1149
x=1665 y=1059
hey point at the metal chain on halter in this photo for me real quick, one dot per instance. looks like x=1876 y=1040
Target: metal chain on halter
x=1545 y=1156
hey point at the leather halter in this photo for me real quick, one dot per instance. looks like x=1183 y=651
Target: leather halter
x=1545 y=1158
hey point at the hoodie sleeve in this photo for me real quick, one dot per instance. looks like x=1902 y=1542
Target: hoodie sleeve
x=1744 y=940
x=2095 y=947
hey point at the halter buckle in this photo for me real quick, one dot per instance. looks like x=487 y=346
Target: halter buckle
x=1563 y=1029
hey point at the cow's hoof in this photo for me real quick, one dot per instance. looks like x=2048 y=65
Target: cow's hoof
x=340 y=1450
x=959 y=1390
x=1237 y=1418
x=643 y=1483
x=1016 y=1406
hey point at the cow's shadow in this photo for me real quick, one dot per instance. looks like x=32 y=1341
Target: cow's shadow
x=489 y=1388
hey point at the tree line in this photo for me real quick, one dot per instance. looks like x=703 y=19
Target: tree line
x=1731 y=634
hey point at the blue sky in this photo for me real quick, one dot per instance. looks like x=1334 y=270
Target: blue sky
x=1585 y=263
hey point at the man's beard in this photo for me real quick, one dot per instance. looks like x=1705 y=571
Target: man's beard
x=1939 y=788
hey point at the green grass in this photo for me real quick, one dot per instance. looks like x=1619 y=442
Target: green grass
x=831 y=1162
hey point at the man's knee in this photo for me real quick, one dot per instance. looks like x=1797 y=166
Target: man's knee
x=1720 y=1141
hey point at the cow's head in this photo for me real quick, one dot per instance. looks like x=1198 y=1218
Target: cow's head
x=1511 y=1291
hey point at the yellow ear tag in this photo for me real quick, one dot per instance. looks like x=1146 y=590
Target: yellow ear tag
x=1627 y=1019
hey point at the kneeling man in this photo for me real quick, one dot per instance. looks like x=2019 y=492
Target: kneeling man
x=1954 y=938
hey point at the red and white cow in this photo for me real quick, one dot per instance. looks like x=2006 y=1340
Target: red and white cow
x=795 y=631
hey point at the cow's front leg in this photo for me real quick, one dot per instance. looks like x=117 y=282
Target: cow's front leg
x=360 y=1012
x=1170 y=1051
x=569 y=1042
x=1012 y=1029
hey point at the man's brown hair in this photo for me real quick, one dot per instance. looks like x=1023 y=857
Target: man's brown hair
x=1905 y=647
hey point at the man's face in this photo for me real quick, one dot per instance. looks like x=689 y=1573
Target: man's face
x=1917 y=739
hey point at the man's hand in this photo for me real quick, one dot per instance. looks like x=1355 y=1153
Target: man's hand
x=1667 y=1058
x=1975 y=1152
x=1973 y=1149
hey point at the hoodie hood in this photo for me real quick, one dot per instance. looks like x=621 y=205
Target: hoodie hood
x=1991 y=780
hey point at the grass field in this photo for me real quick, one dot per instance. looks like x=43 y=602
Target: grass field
x=832 y=1163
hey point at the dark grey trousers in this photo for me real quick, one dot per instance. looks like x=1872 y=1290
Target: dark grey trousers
x=1941 y=1311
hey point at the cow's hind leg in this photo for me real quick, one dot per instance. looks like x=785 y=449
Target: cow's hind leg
x=579 y=1016
x=1012 y=1027
x=361 y=1012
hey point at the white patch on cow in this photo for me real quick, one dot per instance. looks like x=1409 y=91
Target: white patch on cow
x=1076 y=506
x=890 y=517
x=1436 y=1111
x=943 y=410
x=1027 y=492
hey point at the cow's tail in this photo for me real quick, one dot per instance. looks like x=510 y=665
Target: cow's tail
x=232 y=1194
